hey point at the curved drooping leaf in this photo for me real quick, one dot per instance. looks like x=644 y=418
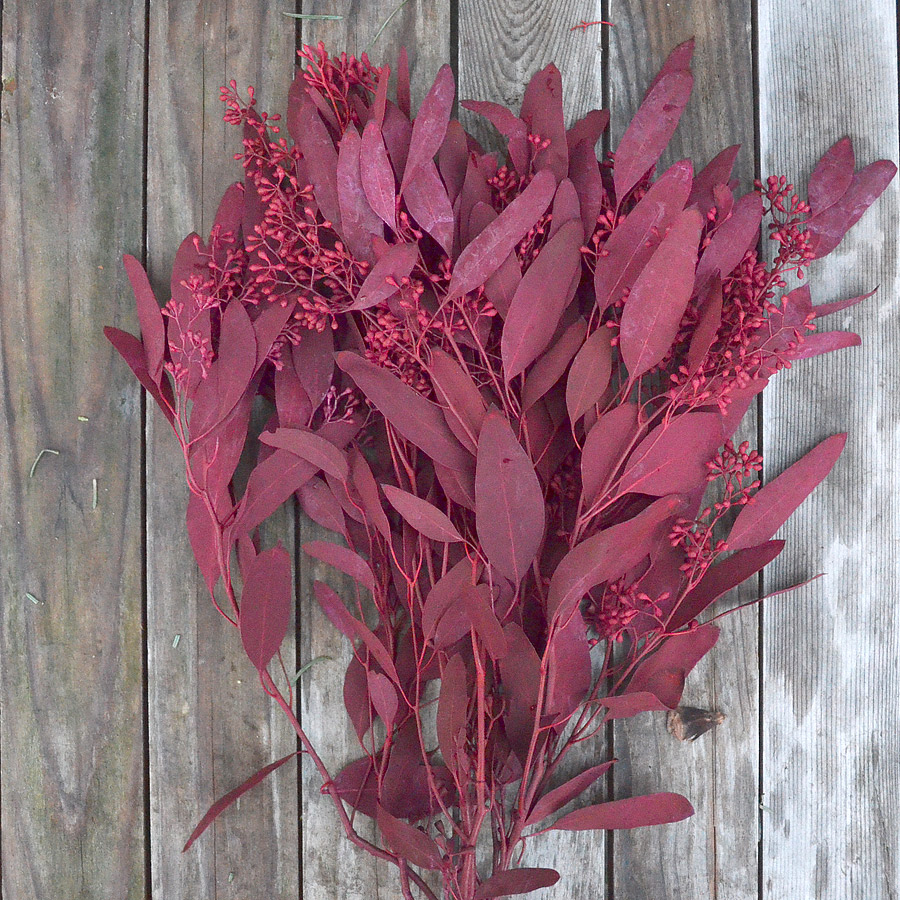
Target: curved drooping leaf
x=132 y=351
x=606 y=447
x=427 y=202
x=382 y=280
x=732 y=238
x=548 y=370
x=225 y=801
x=770 y=508
x=452 y=713
x=516 y=881
x=717 y=172
x=632 y=812
x=377 y=175
x=542 y=111
x=427 y=519
x=832 y=176
x=309 y=446
x=408 y=841
x=311 y=136
x=267 y=600
x=419 y=420
x=344 y=560
x=153 y=326
x=509 y=501
x=607 y=555
x=555 y=800
x=359 y=224
x=483 y=256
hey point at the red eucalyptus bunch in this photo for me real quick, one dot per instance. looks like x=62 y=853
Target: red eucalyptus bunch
x=508 y=385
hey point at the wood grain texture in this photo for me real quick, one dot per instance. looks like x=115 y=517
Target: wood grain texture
x=831 y=804
x=713 y=854
x=70 y=666
x=210 y=725
x=501 y=45
x=331 y=865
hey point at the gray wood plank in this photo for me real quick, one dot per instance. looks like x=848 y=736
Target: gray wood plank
x=501 y=45
x=210 y=725
x=831 y=804
x=331 y=865
x=713 y=854
x=72 y=769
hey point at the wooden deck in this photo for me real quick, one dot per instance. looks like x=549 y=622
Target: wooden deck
x=126 y=707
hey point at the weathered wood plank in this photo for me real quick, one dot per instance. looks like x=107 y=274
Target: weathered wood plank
x=72 y=768
x=715 y=852
x=831 y=806
x=501 y=45
x=210 y=726
x=331 y=865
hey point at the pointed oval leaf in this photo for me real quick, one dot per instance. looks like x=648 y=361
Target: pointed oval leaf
x=540 y=299
x=358 y=221
x=381 y=282
x=266 y=604
x=344 y=560
x=509 y=502
x=632 y=812
x=556 y=799
x=650 y=130
x=589 y=375
x=377 y=175
x=660 y=296
x=427 y=202
x=419 y=420
x=732 y=238
x=153 y=327
x=431 y=123
x=407 y=841
x=484 y=255
x=548 y=370
x=672 y=458
x=427 y=519
x=831 y=176
x=770 y=508
x=542 y=110
x=605 y=447
x=309 y=446
x=312 y=137
x=516 y=881
x=383 y=696
x=452 y=713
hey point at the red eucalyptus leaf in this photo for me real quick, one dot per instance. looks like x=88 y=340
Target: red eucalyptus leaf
x=825 y=342
x=631 y=704
x=633 y=812
x=452 y=713
x=153 y=326
x=224 y=802
x=311 y=136
x=428 y=520
x=826 y=309
x=313 y=361
x=427 y=202
x=407 y=841
x=721 y=578
x=569 y=666
x=590 y=128
x=539 y=301
x=607 y=555
x=270 y=484
x=605 y=447
x=509 y=125
x=501 y=287
x=358 y=221
x=483 y=256
x=445 y=591
x=672 y=458
x=584 y=172
x=477 y=605
x=431 y=123
x=520 y=670
x=566 y=206
x=386 y=274
x=367 y=487
x=419 y=420
x=548 y=370
x=678 y=60
x=555 y=800
x=717 y=172
x=383 y=696
x=266 y=604
x=660 y=296
x=632 y=243
x=707 y=327
x=201 y=533
x=311 y=447
x=465 y=407
x=832 y=176
x=396 y=133
x=769 y=509
x=317 y=502
x=377 y=175
x=453 y=159
x=344 y=560
x=590 y=373
x=509 y=501
x=826 y=229
x=269 y=325
x=732 y=238
x=542 y=111
x=132 y=351
x=650 y=130
x=516 y=881
x=663 y=672
x=357 y=785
